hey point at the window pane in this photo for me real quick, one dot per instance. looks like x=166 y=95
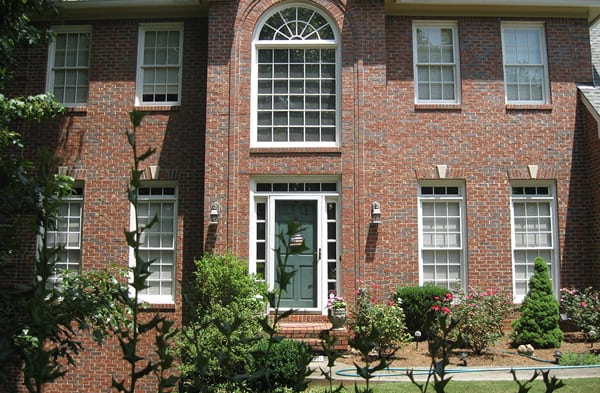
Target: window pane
x=303 y=78
x=161 y=66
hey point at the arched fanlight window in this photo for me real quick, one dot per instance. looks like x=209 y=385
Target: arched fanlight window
x=296 y=79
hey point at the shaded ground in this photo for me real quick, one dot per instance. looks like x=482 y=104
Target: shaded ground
x=500 y=355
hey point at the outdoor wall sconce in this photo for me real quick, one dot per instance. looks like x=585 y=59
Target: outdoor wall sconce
x=375 y=213
x=215 y=211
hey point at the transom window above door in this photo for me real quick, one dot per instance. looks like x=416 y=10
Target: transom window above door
x=296 y=79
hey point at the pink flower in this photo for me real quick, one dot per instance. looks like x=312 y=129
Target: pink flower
x=435 y=308
x=446 y=310
x=583 y=304
x=436 y=298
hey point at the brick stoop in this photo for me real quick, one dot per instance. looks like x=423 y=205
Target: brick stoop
x=312 y=333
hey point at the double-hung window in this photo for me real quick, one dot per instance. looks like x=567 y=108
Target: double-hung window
x=525 y=63
x=158 y=240
x=66 y=233
x=436 y=62
x=533 y=232
x=296 y=79
x=68 y=65
x=442 y=234
x=160 y=57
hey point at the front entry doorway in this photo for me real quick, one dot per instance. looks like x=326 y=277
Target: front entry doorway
x=314 y=203
x=302 y=290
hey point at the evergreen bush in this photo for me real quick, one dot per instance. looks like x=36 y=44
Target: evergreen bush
x=223 y=318
x=417 y=303
x=287 y=362
x=538 y=323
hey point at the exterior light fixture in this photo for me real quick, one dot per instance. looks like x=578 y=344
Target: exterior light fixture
x=375 y=213
x=557 y=356
x=417 y=339
x=215 y=211
x=463 y=358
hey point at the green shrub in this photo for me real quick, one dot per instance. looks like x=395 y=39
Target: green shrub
x=481 y=315
x=583 y=309
x=382 y=320
x=417 y=303
x=286 y=362
x=538 y=323
x=579 y=359
x=224 y=308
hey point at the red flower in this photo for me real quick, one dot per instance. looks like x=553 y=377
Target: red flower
x=435 y=308
x=583 y=304
x=446 y=310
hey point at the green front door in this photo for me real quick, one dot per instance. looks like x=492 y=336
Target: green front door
x=302 y=292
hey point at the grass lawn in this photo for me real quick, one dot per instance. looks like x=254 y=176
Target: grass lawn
x=572 y=385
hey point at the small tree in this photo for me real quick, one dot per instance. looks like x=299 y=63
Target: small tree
x=538 y=323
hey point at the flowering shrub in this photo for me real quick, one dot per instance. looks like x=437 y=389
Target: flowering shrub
x=336 y=302
x=383 y=321
x=481 y=315
x=583 y=308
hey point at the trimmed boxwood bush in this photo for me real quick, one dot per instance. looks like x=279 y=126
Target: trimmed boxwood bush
x=417 y=302
x=287 y=362
x=538 y=323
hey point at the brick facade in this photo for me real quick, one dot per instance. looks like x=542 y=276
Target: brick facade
x=388 y=145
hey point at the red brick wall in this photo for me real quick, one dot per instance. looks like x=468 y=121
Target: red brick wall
x=592 y=144
x=93 y=145
x=389 y=144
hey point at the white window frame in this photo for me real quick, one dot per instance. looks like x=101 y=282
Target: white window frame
x=52 y=68
x=539 y=27
x=269 y=198
x=553 y=269
x=455 y=64
x=163 y=298
x=158 y=27
x=299 y=44
x=65 y=221
x=460 y=199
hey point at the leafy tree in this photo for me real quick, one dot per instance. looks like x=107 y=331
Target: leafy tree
x=16 y=30
x=538 y=323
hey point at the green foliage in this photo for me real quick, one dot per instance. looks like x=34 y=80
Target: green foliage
x=481 y=315
x=332 y=355
x=538 y=322
x=386 y=319
x=219 y=349
x=287 y=361
x=225 y=304
x=416 y=303
x=16 y=30
x=583 y=308
x=551 y=384
x=365 y=344
x=442 y=339
x=39 y=322
x=579 y=359
x=131 y=330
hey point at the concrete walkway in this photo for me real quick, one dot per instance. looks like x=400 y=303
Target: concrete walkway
x=347 y=372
